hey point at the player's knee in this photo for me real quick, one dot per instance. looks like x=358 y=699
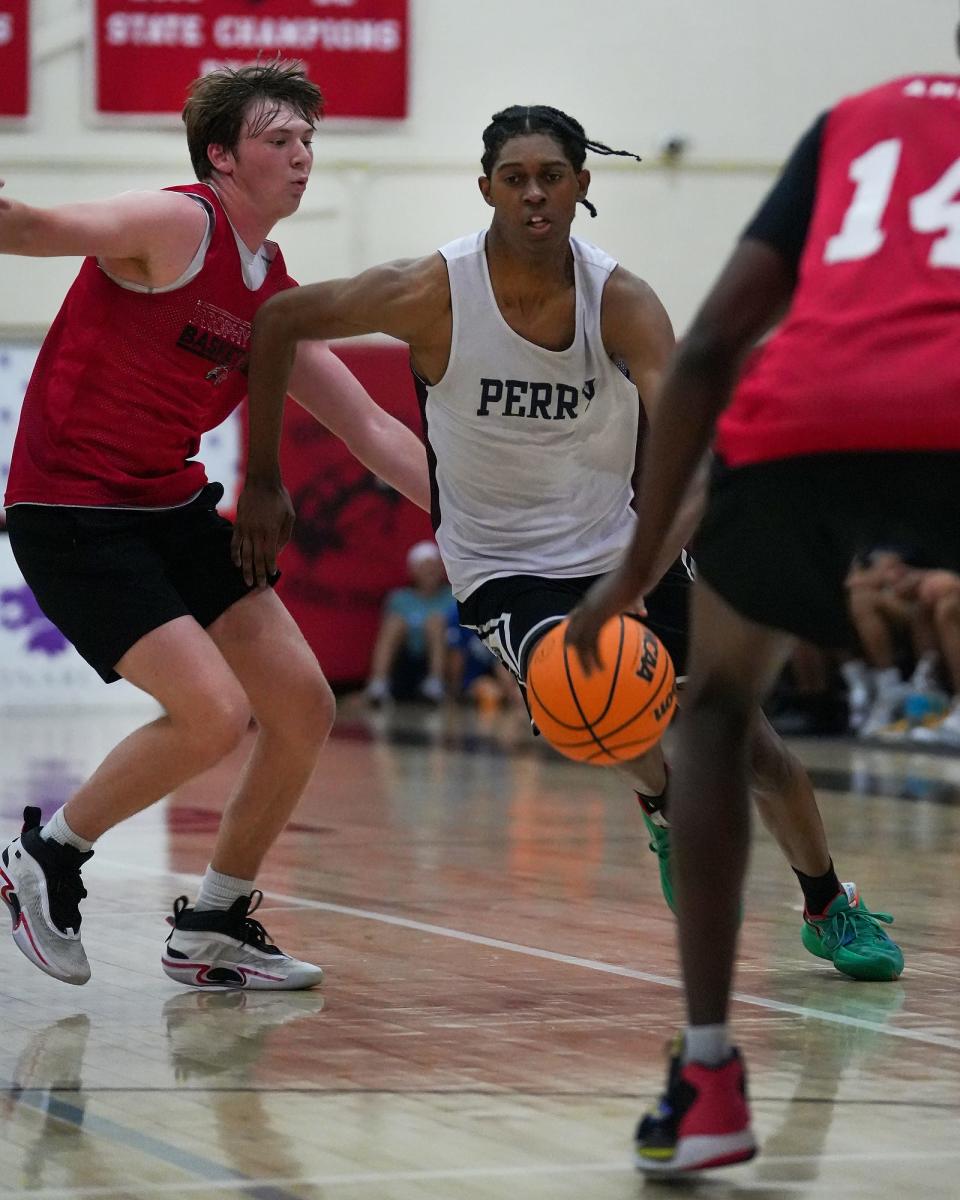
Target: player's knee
x=937 y=586
x=305 y=710
x=319 y=708
x=947 y=609
x=217 y=723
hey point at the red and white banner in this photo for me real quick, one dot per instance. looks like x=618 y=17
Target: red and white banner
x=14 y=59
x=147 y=52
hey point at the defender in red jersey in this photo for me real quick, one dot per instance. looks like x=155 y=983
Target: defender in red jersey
x=842 y=434
x=114 y=523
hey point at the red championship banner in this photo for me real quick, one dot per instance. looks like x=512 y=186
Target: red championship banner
x=147 y=52
x=14 y=59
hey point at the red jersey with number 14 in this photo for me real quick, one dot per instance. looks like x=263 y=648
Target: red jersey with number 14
x=127 y=381
x=868 y=357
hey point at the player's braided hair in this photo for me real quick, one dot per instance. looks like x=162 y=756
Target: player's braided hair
x=520 y=119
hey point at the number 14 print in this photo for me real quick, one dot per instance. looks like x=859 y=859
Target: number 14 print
x=937 y=209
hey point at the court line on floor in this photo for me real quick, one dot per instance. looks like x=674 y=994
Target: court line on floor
x=9 y=1088
x=570 y=960
x=464 y=1174
x=215 y=1176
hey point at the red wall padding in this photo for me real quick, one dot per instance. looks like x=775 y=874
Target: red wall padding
x=352 y=533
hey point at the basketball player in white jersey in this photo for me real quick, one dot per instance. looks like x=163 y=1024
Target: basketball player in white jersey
x=536 y=358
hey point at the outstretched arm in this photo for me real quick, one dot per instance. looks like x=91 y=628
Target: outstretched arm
x=322 y=385
x=408 y=300
x=147 y=236
x=745 y=302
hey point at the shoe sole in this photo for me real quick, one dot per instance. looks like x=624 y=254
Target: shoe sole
x=701 y=1153
x=881 y=971
x=23 y=937
x=884 y=971
x=237 y=976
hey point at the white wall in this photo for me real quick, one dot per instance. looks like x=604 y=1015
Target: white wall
x=740 y=78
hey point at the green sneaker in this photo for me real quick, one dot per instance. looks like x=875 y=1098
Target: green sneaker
x=850 y=936
x=660 y=845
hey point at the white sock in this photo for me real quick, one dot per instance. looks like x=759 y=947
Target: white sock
x=924 y=677
x=57 y=830
x=856 y=673
x=887 y=681
x=219 y=891
x=706 y=1044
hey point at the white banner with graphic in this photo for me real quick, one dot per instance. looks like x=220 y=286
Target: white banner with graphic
x=38 y=666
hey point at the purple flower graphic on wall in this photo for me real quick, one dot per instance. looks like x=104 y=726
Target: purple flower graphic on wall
x=19 y=610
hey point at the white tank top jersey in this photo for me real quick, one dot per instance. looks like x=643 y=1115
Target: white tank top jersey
x=531 y=451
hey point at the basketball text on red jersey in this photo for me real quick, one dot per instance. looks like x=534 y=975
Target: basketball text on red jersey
x=127 y=381
x=866 y=358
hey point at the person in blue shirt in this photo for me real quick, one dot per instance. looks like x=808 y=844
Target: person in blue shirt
x=410 y=653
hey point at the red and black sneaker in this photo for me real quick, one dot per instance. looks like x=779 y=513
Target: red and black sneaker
x=702 y=1119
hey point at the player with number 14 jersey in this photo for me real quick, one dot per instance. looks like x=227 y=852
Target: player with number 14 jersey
x=867 y=357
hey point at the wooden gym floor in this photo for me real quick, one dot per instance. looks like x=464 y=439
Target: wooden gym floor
x=501 y=984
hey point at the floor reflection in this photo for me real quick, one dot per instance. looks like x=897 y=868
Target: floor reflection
x=218 y=1038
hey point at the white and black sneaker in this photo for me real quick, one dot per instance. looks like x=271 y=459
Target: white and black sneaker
x=41 y=886
x=229 y=949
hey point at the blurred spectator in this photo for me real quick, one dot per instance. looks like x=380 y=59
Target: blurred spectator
x=881 y=612
x=808 y=701
x=901 y=612
x=474 y=674
x=938 y=593
x=858 y=680
x=410 y=653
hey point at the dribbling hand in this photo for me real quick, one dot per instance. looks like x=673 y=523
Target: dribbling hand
x=613 y=594
x=262 y=528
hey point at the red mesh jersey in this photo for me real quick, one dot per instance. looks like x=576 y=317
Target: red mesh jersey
x=868 y=357
x=126 y=382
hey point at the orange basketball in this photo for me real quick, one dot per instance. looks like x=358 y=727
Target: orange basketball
x=617 y=713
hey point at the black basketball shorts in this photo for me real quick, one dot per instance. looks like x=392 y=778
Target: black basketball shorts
x=106 y=577
x=778 y=539
x=512 y=613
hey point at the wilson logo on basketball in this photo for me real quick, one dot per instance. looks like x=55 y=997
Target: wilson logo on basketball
x=664 y=706
x=649 y=657
x=612 y=713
